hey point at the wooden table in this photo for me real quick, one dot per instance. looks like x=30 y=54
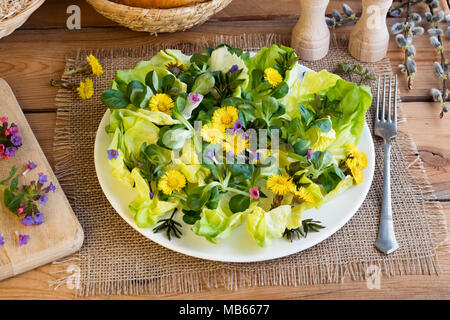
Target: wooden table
x=35 y=53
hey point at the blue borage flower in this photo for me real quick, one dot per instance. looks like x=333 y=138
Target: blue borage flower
x=23 y=239
x=112 y=154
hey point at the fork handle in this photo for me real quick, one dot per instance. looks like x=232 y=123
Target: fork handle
x=386 y=241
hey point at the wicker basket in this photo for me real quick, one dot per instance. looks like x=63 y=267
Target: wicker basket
x=9 y=25
x=158 y=20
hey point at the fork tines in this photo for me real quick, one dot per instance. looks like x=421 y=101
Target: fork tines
x=382 y=115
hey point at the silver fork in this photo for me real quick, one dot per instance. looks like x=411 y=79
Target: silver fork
x=386 y=128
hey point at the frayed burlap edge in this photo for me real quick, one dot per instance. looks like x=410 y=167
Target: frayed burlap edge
x=288 y=276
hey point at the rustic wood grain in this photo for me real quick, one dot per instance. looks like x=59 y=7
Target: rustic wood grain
x=61 y=234
x=30 y=58
x=35 y=53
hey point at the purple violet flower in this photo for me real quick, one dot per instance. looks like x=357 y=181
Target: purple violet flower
x=112 y=154
x=234 y=68
x=194 y=97
x=27 y=221
x=38 y=218
x=31 y=165
x=212 y=155
x=11 y=151
x=2 y=240
x=51 y=187
x=151 y=195
x=23 y=239
x=43 y=199
x=238 y=125
x=16 y=140
x=309 y=154
x=42 y=178
x=13 y=130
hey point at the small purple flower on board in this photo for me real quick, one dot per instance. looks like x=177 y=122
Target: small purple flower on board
x=38 y=218
x=23 y=239
x=42 y=178
x=43 y=199
x=16 y=140
x=51 y=187
x=31 y=165
x=2 y=240
x=27 y=221
x=13 y=130
x=11 y=151
x=112 y=154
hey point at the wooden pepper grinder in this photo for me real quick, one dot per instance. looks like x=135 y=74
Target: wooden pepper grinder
x=370 y=37
x=310 y=36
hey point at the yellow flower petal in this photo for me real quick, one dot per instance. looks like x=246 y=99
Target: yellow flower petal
x=161 y=102
x=97 y=68
x=356 y=161
x=212 y=134
x=175 y=67
x=235 y=143
x=273 y=77
x=86 y=89
x=225 y=117
x=280 y=185
x=172 y=181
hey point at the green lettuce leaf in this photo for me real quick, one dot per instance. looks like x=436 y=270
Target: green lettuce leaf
x=222 y=60
x=147 y=212
x=264 y=226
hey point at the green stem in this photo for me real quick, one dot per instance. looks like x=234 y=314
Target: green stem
x=178 y=196
x=236 y=191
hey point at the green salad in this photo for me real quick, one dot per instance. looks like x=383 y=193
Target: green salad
x=223 y=140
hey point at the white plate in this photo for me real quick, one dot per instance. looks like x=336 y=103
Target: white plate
x=240 y=247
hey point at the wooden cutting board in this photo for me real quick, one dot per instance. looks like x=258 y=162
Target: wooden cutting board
x=60 y=234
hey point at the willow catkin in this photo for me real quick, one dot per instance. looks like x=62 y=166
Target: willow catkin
x=9 y=8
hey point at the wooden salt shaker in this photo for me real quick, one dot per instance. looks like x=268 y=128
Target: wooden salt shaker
x=370 y=37
x=311 y=37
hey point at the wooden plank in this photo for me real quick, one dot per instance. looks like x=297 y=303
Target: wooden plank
x=36 y=285
x=431 y=135
x=61 y=234
x=30 y=58
x=53 y=13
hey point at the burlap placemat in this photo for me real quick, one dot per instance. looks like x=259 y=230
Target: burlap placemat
x=115 y=259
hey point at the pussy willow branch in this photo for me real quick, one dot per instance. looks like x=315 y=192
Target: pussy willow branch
x=408 y=33
x=443 y=63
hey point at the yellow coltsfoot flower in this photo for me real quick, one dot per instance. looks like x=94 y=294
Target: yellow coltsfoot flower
x=273 y=77
x=213 y=134
x=225 y=117
x=304 y=194
x=235 y=143
x=356 y=161
x=280 y=185
x=86 y=89
x=175 y=67
x=96 y=67
x=161 y=102
x=172 y=180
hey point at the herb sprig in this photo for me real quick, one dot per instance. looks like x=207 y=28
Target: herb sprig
x=308 y=225
x=349 y=69
x=170 y=226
